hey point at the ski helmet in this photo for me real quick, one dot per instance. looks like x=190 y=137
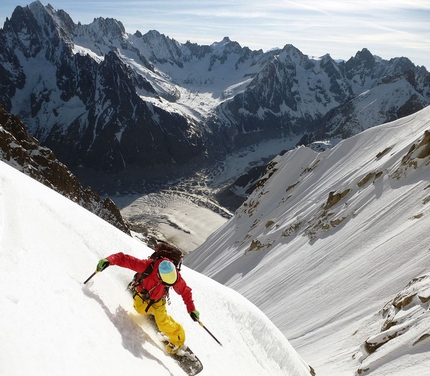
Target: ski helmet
x=167 y=272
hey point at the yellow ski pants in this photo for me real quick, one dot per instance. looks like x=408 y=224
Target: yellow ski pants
x=165 y=323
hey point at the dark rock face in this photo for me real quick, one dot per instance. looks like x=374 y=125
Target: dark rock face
x=24 y=153
x=99 y=121
x=119 y=128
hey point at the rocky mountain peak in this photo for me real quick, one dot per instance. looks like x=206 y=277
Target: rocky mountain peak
x=162 y=49
x=35 y=28
x=363 y=61
x=366 y=56
x=225 y=47
x=109 y=27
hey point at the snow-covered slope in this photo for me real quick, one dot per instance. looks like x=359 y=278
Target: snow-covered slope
x=51 y=324
x=327 y=241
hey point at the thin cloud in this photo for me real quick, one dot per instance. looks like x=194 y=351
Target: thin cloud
x=389 y=28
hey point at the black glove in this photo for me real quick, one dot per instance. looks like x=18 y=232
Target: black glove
x=102 y=265
x=195 y=315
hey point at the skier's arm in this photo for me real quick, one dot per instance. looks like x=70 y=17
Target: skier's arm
x=127 y=261
x=182 y=289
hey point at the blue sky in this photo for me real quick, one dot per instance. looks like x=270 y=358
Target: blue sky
x=388 y=28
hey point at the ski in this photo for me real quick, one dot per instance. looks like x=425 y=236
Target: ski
x=186 y=359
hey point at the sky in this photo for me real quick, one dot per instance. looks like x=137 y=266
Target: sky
x=52 y=324
x=388 y=28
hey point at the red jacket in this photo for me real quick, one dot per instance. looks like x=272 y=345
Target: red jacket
x=153 y=283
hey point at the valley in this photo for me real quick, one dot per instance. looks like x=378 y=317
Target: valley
x=185 y=212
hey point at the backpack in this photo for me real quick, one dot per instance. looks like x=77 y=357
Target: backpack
x=163 y=250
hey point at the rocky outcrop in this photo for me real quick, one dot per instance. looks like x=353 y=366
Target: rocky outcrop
x=24 y=153
x=407 y=316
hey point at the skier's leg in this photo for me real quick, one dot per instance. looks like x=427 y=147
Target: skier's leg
x=140 y=305
x=167 y=325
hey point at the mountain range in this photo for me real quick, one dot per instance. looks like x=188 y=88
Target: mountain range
x=139 y=107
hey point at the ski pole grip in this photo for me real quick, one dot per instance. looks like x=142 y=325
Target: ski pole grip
x=103 y=268
x=97 y=271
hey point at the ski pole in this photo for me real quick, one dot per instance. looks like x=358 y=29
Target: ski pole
x=92 y=275
x=204 y=327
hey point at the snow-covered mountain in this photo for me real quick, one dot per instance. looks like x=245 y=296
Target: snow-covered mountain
x=52 y=324
x=24 y=153
x=333 y=247
x=108 y=100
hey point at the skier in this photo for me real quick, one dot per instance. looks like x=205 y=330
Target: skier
x=151 y=294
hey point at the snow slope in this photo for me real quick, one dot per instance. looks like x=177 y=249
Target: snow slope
x=51 y=324
x=327 y=241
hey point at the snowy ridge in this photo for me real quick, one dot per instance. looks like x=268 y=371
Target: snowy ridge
x=51 y=323
x=328 y=239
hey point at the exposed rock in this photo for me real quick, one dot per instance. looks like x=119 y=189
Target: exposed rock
x=24 y=153
x=406 y=315
x=334 y=198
